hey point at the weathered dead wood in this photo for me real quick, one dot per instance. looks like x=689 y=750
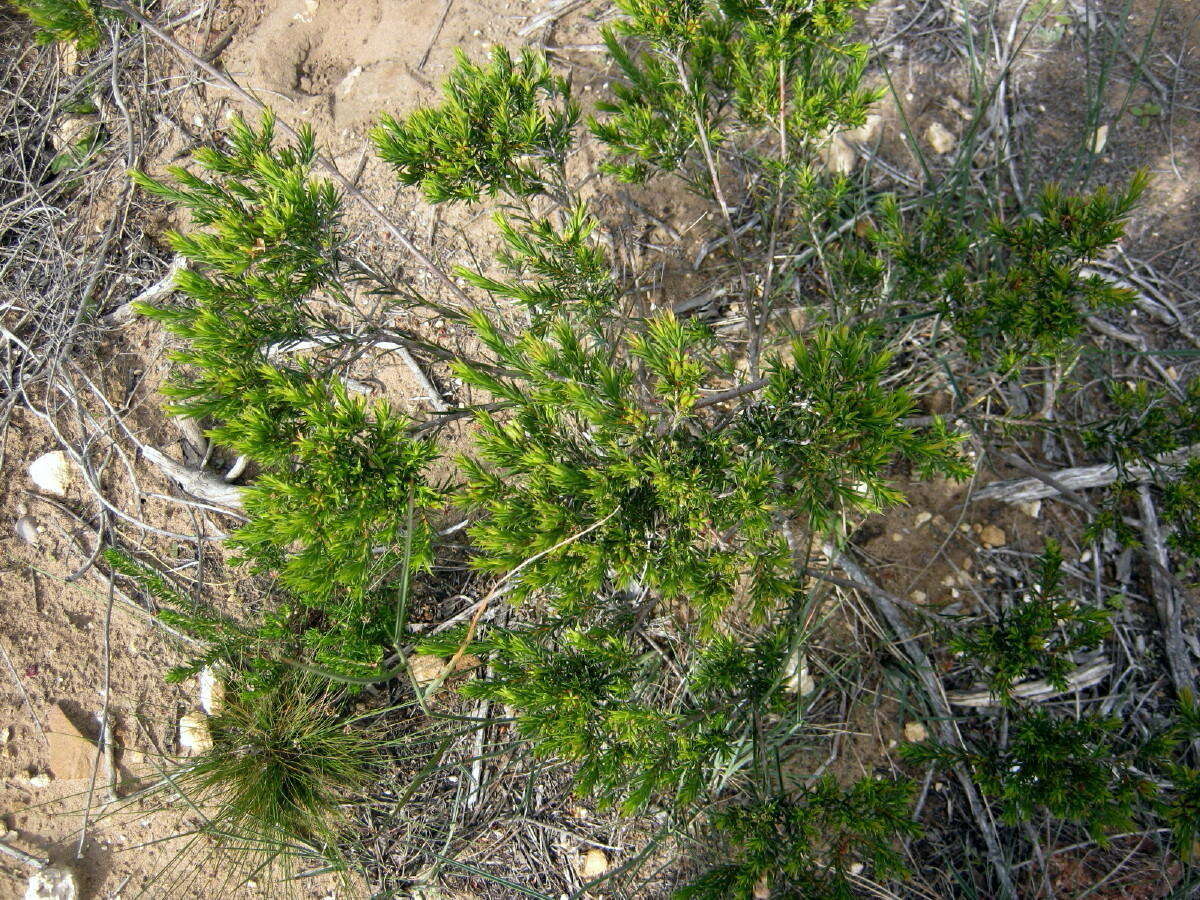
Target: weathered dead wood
x=1085 y=676
x=165 y=286
x=1167 y=601
x=936 y=696
x=432 y=394
x=1023 y=490
x=197 y=482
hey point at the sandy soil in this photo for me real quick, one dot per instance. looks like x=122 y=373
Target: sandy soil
x=337 y=64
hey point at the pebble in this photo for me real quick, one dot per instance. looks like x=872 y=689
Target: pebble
x=52 y=883
x=425 y=668
x=51 y=472
x=594 y=864
x=212 y=692
x=72 y=755
x=940 y=138
x=27 y=530
x=991 y=536
x=194 y=734
x=922 y=517
x=915 y=731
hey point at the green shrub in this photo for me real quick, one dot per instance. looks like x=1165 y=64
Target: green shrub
x=75 y=21
x=1034 y=635
x=806 y=845
x=494 y=126
x=1074 y=769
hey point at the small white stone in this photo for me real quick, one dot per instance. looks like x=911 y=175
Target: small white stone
x=922 y=517
x=51 y=472
x=27 y=530
x=1031 y=508
x=940 y=138
x=212 y=692
x=594 y=863
x=52 y=883
x=194 y=734
x=1099 y=139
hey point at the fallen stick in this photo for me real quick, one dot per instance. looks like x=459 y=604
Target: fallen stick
x=1166 y=600
x=936 y=695
x=556 y=10
x=1085 y=676
x=28 y=858
x=126 y=312
x=432 y=394
x=1023 y=490
x=197 y=482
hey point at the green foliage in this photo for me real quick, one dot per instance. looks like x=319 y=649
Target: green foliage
x=1020 y=293
x=81 y=151
x=831 y=429
x=267 y=239
x=489 y=136
x=614 y=460
x=1072 y=768
x=75 y=21
x=1145 y=423
x=804 y=846
x=708 y=72
x=641 y=491
x=284 y=762
x=555 y=271
x=338 y=476
x=1034 y=635
x=585 y=695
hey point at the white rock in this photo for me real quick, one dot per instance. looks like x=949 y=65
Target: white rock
x=940 y=138
x=52 y=883
x=922 y=517
x=212 y=692
x=39 y=780
x=915 y=731
x=594 y=864
x=51 y=472
x=798 y=680
x=194 y=735
x=1031 y=508
x=27 y=530
x=840 y=156
x=426 y=668
x=1099 y=139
